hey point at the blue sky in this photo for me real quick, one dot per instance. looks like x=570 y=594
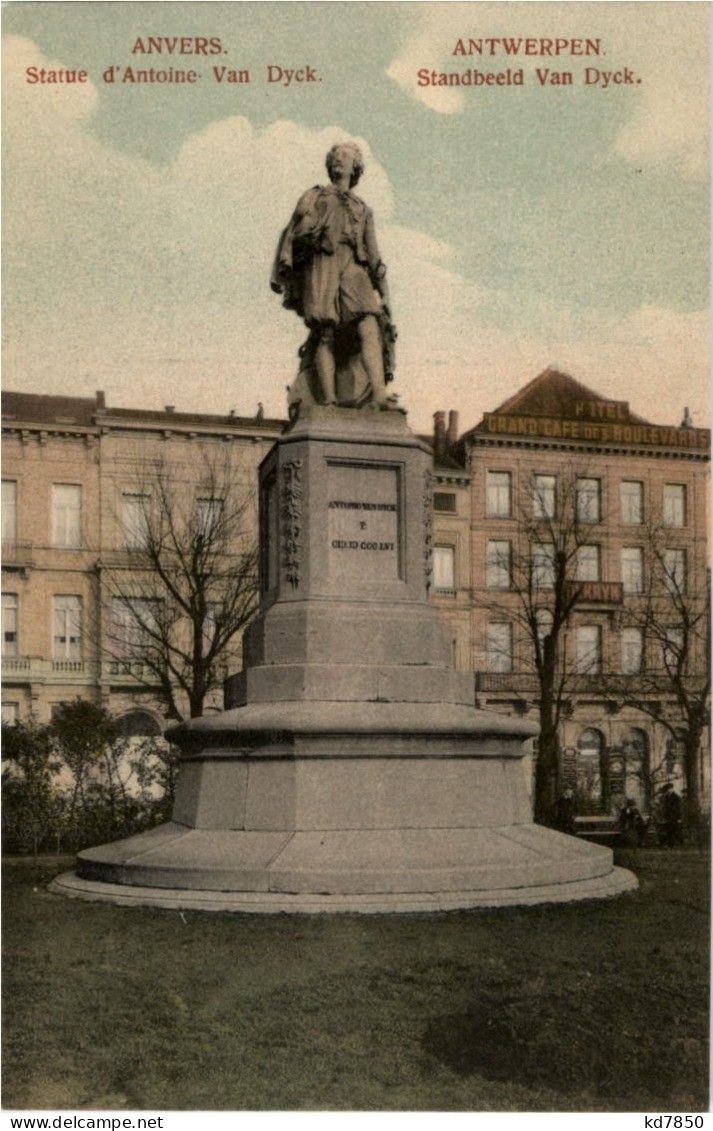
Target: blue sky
x=522 y=227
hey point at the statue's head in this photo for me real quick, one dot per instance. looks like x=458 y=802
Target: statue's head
x=345 y=151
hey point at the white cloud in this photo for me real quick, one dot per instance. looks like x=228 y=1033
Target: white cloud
x=152 y=281
x=666 y=44
x=41 y=104
x=670 y=123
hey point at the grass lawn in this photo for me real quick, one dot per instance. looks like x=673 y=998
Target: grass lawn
x=599 y=1006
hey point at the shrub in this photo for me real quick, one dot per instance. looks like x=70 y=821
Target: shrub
x=31 y=813
x=75 y=783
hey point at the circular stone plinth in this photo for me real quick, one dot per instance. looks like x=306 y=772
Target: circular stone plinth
x=387 y=870
x=347 y=862
x=601 y=887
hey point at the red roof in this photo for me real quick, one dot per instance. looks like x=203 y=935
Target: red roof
x=555 y=394
x=36 y=408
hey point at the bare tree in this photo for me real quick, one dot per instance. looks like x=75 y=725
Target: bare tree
x=542 y=574
x=186 y=583
x=669 y=680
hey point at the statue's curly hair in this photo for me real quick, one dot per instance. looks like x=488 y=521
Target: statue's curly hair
x=358 y=160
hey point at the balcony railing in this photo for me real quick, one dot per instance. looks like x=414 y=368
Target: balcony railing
x=527 y=683
x=598 y=592
x=69 y=665
x=18 y=556
x=35 y=669
x=123 y=558
x=606 y=686
x=133 y=669
x=522 y=682
x=127 y=673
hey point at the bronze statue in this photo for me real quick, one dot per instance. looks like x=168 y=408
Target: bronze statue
x=329 y=269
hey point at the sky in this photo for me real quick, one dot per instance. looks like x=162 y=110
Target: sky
x=522 y=226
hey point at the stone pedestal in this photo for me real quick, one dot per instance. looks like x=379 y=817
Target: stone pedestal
x=350 y=770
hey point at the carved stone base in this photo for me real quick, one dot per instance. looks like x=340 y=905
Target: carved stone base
x=615 y=882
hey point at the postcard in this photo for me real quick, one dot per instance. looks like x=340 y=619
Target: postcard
x=356 y=440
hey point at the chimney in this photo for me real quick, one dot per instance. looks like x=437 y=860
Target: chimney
x=452 y=434
x=99 y=397
x=170 y=408
x=687 y=421
x=439 y=433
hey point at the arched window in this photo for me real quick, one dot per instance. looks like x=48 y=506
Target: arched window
x=590 y=771
x=673 y=764
x=138 y=724
x=638 y=772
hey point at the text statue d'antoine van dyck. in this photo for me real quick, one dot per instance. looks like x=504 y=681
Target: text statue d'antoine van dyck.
x=329 y=269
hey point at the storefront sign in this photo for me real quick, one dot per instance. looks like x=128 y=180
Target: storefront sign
x=610 y=432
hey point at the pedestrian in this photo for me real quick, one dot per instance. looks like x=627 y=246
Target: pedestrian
x=565 y=812
x=631 y=823
x=671 y=817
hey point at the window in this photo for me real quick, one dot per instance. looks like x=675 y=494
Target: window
x=587 y=563
x=674 y=756
x=632 y=569
x=209 y=512
x=134 y=520
x=10 y=624
x=544 y=620
x=497 y=566
x=635 y=748
x=672 y=648
x=498 y=494
x=444 y=569
x=674 y=504
x=9 y=511
x=67 y=628
x=543 y=566
x=10 y=714
x=588 y=500
x=590 y=770
x=66 y=515
x=588 y=658
x=135 y=620
x=544 y=496
x=674 y=568
x=444 y=501
x=632 y=650
x=498 y=648
x=631 y=502
x=209 y=622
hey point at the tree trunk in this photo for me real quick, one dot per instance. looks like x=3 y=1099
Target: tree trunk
x=197 y=693
x=547 y=771
x=691 y=769
x=197 y=696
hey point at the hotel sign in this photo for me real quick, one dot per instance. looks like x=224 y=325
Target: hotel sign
x=602 y=410
x=611 y=430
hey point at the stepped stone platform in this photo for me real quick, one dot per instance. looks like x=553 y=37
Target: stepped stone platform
x=350 y=770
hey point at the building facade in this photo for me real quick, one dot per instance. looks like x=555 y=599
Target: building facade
x=70 y=469
x=625 y=478
x=71 y=486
